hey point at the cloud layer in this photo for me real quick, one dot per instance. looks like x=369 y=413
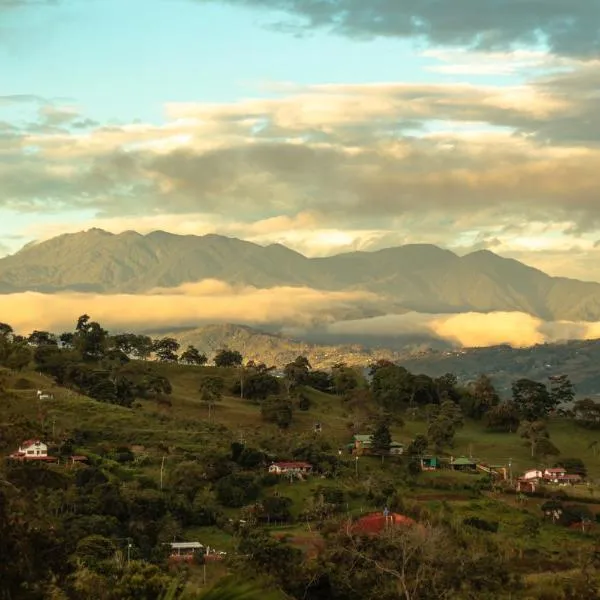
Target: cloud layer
x=569 y=28
x=213 y=301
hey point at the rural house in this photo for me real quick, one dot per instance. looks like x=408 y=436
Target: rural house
x=533 y=475
x=554 y=474
x=32 y=450
x=293 y=467
x=462 y=463
x=362 y=444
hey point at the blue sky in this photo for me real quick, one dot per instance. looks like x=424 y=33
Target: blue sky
x=391 y=137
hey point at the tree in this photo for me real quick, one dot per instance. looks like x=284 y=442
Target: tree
x=480 y=398
x=503 y=417
x=381 y=439
x=418 y=446
x=279 y=411
x=192 y=356
x=211 y=392
x=42 y=338
x=165 y=349
x=6 y=331
x=544 y=448
x=443 y=428
x=90 y=339
x=534 y=432
x=392 y=386
x=573 y=466
x=561 y=390
x=587 y=413
x=297 y=372
x=532 y=399
x=345 y=378
x=228 y=358
x=19 y=357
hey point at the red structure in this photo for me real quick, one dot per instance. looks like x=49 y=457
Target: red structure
x=376 y=523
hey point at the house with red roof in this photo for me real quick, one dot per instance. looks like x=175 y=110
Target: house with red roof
x=32 y=450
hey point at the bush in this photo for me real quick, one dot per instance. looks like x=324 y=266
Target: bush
x=481 y=524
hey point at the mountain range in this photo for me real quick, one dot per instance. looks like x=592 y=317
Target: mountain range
x=417 y=277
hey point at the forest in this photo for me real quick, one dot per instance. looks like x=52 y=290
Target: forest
x=409 y=487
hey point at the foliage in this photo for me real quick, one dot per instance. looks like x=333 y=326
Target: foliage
x=228 y=358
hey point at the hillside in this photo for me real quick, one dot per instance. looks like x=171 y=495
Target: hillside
x=418 y=277
x=278 y=350
x=579 y=359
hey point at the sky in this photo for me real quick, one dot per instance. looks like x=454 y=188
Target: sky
x=325 y=125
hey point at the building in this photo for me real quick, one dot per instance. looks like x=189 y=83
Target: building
x=462 y=463
x=363 y=444
x=533 y=475
x=430 y=463
x=290 y=468
x=32 y=450
x=185 y=551
x=527 y=485
x=553 y=475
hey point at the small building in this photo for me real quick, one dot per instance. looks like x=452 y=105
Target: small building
x=292 y=467
x=185 y=551
x=430 y=463
x=526 y=485
x=363 y=444
x=553 y=475
x=533 y=475
x=462 y=463
x=568 y=479
x=32 y=450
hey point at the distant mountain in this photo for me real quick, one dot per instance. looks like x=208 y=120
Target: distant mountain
x=419 y=277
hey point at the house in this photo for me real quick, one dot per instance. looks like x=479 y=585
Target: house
x=533 y=475
x=32 y=450
x=363 y=444
x=462 y=463
x=184 y=551
x=554 y=474
x=527 y=485
x=288 y=468
x=430 y=463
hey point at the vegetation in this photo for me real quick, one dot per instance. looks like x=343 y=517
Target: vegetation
x=176 y=449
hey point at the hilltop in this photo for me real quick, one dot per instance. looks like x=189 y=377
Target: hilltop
x=417 y=277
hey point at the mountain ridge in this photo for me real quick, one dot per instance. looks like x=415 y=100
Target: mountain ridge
x=415 y=277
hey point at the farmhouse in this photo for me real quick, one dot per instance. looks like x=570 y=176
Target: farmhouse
x=555 y=474
x=462 y=463
x=32 y=450
x=363 y=444
x=293 y=467
x=533 y=475
x=184 y=551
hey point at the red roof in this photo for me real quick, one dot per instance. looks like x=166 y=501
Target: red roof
x=377 y=522
x=27 y=443
x=556 y=470
x=293 y=465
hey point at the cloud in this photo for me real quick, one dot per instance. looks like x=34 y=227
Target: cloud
x=191 y=304
x=467 y=329
x=326 y=168
x=567 y=28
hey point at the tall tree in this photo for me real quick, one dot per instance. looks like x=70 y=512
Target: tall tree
x=381 y=440
x=562 y=390
x=532 y=399
x=534 y=432
x=211 y=392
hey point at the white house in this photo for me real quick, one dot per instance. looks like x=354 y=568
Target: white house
x=533 y=474
x=32 y=448
x=284 y=468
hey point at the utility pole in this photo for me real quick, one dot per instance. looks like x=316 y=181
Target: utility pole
x=53 y=424
x=162 y=467
x=129 y=544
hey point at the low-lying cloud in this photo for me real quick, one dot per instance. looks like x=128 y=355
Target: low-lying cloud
x=341 y=315
x=209 y=301
x=469 y=329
